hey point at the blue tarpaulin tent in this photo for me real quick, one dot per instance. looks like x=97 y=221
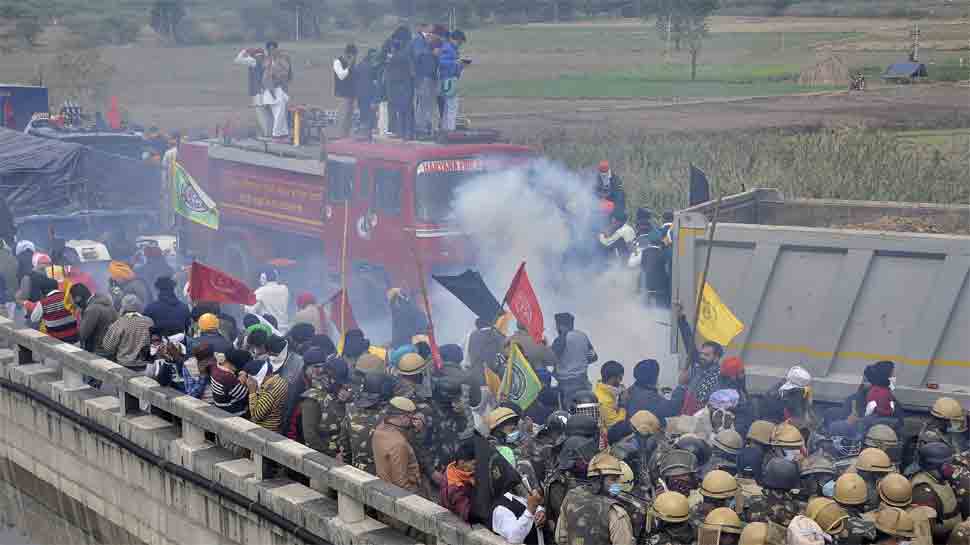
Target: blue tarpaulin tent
x=905 y=71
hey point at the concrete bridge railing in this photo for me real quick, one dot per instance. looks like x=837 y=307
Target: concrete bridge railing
x=199 y=437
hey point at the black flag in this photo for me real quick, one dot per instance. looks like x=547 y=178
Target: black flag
x=470 y=289
x=700 y=190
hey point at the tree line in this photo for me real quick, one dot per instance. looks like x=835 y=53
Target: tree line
x=681 y=22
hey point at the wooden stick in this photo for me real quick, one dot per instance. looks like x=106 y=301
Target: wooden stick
x=707 y=265
x=427 y=302
x=343 y=273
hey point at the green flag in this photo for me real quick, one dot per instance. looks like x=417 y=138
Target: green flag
x=520 y=385
x=190 y=201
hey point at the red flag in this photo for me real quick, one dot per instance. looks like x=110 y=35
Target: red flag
x=212 y=285
x=523 y=303
x=347 y=313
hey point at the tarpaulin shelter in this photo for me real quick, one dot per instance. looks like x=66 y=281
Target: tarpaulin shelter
x=45 y=176
x=905 y=71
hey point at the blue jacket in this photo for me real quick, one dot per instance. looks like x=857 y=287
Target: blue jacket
x=425 y=63
x=448 y=62
x=170 y=315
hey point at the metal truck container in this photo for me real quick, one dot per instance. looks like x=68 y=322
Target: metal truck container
x=818 y=283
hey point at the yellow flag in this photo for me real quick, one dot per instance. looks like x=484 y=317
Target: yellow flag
x=716 y=321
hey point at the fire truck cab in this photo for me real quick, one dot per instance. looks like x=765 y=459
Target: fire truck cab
x=384 y=205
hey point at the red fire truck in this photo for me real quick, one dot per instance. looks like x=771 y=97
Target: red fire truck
x=393 y=198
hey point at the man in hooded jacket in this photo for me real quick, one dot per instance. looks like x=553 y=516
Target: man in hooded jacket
x=643 y=395
x=170 y=315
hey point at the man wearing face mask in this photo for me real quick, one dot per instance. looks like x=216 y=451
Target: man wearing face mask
x=273 y=298
x=816 y=471
x=505 y=432
x=948 y=418
x=324 y=406
x=591 y=513
x=786 y=443
x=932 y=488
x=719 y=489
x=394 y=458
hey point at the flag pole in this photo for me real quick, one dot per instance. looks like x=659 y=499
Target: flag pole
x=424 y=297
x=707 y=264
x=343 y=275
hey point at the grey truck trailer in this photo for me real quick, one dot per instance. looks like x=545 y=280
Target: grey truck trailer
x=833 y=286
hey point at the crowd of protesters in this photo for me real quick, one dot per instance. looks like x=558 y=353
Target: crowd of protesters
x=708 y=462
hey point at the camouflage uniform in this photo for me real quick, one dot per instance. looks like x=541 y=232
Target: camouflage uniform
x=332 y=413
x=778 y=506
x=450 y=427
x=588 y=517
x=356 y=432
x=858 y=529
x=700 y=511
x=674 y=534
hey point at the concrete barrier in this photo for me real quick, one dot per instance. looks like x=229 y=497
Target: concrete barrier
x=176 y=427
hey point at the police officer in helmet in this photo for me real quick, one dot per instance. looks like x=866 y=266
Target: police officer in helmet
x=931 y=488
x=669 y=520
x=591 y=513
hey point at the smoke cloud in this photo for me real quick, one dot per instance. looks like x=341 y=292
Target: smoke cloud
x=542 y=214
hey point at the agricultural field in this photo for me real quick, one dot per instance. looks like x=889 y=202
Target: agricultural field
x=583 y=91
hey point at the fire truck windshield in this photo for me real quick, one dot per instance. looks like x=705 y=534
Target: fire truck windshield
x=436 y=184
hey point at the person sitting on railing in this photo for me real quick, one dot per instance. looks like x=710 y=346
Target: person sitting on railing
x=127 y=337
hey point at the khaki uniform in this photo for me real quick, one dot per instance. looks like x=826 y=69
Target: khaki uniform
x=356 y=431
x=960 y=535
x=939 y=495
x=592 y=519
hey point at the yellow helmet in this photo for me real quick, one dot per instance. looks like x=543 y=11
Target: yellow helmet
x=785 y=435
x=401 y=405
x=850 y=489
x=895 y=490
x=719 y=485
x=500 y=416
x=603 y=464
x=950 y=409
x=755 y=533
x=411 y=364
x=728 y=440
x=828 y=514
x=626 y=479
x=671 y=507
x=645 y=422
x=895 y=522
x=723 y=519
x=874 y=460
x=760 y=432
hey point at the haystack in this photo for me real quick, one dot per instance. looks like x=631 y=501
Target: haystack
x=829 y=71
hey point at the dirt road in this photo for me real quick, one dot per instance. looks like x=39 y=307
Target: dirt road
x=897 y=106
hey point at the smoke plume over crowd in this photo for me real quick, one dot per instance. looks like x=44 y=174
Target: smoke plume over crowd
x=547 y=216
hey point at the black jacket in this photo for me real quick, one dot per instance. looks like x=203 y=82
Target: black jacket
x=170 y=315
x=649 y=399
